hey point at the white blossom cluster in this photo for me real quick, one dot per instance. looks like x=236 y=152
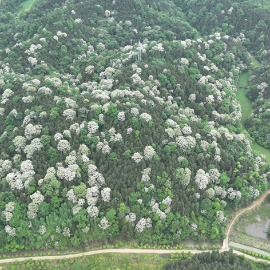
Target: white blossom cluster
x=10 y=230
x=210 y=192
x=30 y=131
x=66 y=232
x=6 y=95
x=100 y=46
x=254 y=192
x=42 y=229
x=234 y=194
x=37 y=198
x=142 y=224
x=63 y=146
x=104 y=146
x=32 y=48
x=58 y=136
x=219 y=191
x=15 y=179
x=105 y=194
x=121 y=116
x=202 y=179
x=76 y=209
x=147 y=117
x=45 y=90
x=136 y=79
x=69 y=114
x=104 y=224
x=92 y=211
x=134 y=111
x=115 y=137
x=131 y=217
x=8 y=210
x=205 y=145
x=158 y=48
x=89 y=69
x=56 y=81
x=5 y=167
x=137 y=157
x=60 y=34
x=70 y=103
x=220 y=216
x=129 y=131
x=214 y=176
x=86 y=229
x=194 y=226
x=149 y=152
x=95 y=178
x=27 y=99
x=145 y=175
x=30 y=149
x=186 y=130
x=71 y=196
x=155 y=209
x=92 y=127
x=210 y=99
x=185 y=143
x=192 y=97
x=33 y=61
x=68 y=173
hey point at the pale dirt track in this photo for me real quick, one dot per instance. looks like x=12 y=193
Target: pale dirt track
x=225 y=246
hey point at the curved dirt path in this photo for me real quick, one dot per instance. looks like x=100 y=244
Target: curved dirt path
x=239 y=213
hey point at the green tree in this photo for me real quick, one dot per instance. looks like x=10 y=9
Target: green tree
x=52 y=154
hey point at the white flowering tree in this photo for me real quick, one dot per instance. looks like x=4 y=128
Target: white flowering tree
x=202 y=179
x=63 y=146
x=149 y=152
x=104 y=224
x=137 y=157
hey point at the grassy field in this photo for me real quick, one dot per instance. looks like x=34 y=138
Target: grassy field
x=25 y=6
x=109 y=261
x=246 y=107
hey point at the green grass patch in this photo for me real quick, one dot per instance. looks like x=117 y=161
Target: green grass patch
x=25 y=6
x=246 y=108
x=106 y=261
x=255 y=62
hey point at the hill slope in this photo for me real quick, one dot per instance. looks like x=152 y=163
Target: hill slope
x=96 y=145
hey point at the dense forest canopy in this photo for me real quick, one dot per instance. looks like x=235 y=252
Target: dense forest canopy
x=95 y=144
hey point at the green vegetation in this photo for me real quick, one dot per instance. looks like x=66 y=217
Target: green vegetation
x=215 y=260
x=96 y=147
x=246 y=106
x=108 y=261
x=25 y=6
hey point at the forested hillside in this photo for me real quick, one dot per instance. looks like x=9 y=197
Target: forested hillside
x=248 y=22
x=95 y=144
